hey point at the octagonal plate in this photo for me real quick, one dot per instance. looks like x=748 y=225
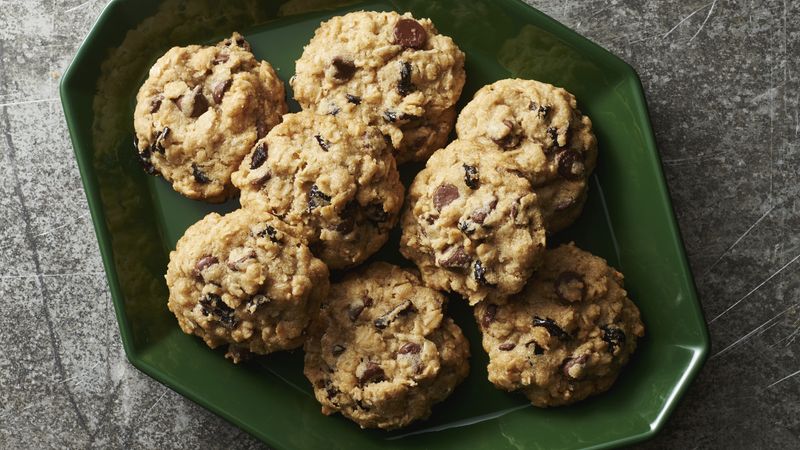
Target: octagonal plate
x=628 y=220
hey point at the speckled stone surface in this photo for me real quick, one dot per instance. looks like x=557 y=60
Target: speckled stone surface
x=722 y=85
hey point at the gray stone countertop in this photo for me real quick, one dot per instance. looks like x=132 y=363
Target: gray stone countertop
x=722 y=86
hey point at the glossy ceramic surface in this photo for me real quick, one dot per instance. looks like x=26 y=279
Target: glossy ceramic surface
x=628 y=220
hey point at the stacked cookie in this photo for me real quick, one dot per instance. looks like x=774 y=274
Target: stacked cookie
x=320 y=190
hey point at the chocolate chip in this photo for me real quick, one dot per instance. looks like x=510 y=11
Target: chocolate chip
x=338 y=350
x=456 y=258
x=479 y=215
x=259 y=156
x=553 y=133
x=330 y=390
x=409 y=347
x=444 y=195
x=198 y=103
x=204 y=263
x=375 y=213
x=155 y=103
x=220 y=58
x=258 y=182
x=471 y=177
x=576 y=364
x=317 y=198
x=213 y=305
x=146 y=162
x=479 y=273
x=489 y=315
x=361 y=405
x=551 y=327
x=613 y=336
x=344 y=69
x=390 y=116
x=570 y=164
x=570 y=287
x=334 y=110
x=373 y=373
x=355 y=310
x=323 y=143
x=537 y=349
x=511 y=140
x=465 y=226
x=400 y=310
x=541 y=110
x=270 y=231
x=508 y=346
x=158 y=143
x=199 y=176
x=347 y=218
x=261 y=128
x=405 y=86
x=408 y=33
x=356 y=100
x=219 y=89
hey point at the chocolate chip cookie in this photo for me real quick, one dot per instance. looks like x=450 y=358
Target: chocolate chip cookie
x=201 y=110
x=472 y=223
x=381 y=352
x=541 y=128
x=391 y=70
x=242 y=280
x=567 y=335
x=334 y=180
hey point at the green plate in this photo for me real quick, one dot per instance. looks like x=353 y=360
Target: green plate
x=628 y=220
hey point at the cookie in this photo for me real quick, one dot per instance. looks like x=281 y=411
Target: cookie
x=472 y=223
x=381 y=352
x=241 y=280
x=390 y=70
x=567 y=335
x=199 y=113
x=541 y=128
x=334 y=180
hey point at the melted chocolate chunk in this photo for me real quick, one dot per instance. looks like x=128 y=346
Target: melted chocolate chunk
x=510 y=141
x=390 y=116
x=338 y=350
x=613 y=336
x=551 y=327
x=541 y=110
x=146 y=162
x=259 y=156
x=214 y=306
x=456 y=258
x=347 y=218
x=199 y=176
x=155 y=103
x=317 y=198
x=219 y=89
x=467 y=227
x=471 y=177
x=199 y=103
x=553 y=133
x=323 y=143
x=570 y=164
x=220 y=58
x=355 y=310
x=400 y=310
x=204 y=263
x=344 y=69
x=409 y=347
x=271 y=232
x=158 y=143
x=444 y=195
x=489 y=315
x=373 y=373
x=479 y=273
x=354 y=99
x=537 y=349
x=408 y=33
x=508 y=346
x=570 y=286
x=405 y=86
